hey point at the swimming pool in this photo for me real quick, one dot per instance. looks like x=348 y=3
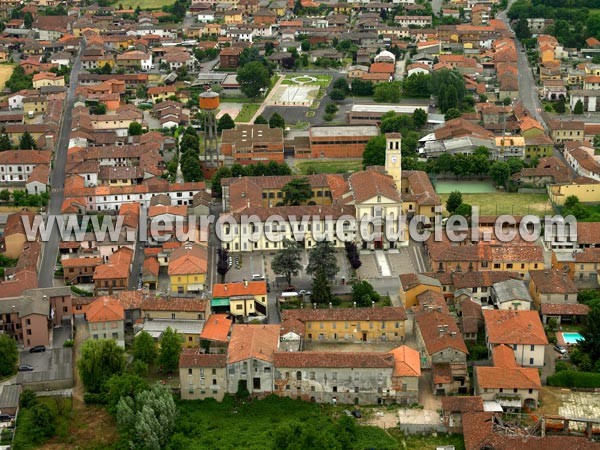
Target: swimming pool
x=571 y=338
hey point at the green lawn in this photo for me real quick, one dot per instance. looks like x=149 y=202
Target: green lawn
x=342 y=166
x=146 y=4
x=257 y=424
x=507 y=203
x=247 y=112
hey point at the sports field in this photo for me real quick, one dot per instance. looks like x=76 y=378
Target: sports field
x=146 y=4
x=465 y=187
x=507 y=203
x=6 y=71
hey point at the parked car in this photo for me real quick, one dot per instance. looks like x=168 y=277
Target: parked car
x=25 y=368
x=560 y=349
x=302 y=292
x=290 y=289
x=5 y=417
x=37 y=349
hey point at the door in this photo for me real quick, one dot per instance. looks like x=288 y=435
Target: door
x=364 y=336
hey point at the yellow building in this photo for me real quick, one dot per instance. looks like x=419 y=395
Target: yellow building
x=242 y=299
x=540 y=146
x=187 y=269
x=233 y=16
x=586 y=193
x=412 y=285
x=34 y=104
x=47 y=79
x=349 y=324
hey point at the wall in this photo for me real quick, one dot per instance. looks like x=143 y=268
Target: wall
x=364 y=330
x=248 y=370
x=200 y=381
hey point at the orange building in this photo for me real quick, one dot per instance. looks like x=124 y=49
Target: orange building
x=340 y=142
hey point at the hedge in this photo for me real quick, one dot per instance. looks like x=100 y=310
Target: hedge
x=571 y=378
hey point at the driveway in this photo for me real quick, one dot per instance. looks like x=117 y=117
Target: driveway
x=426 y=397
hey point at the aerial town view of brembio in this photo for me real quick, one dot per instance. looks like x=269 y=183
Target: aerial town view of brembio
x=300 y=224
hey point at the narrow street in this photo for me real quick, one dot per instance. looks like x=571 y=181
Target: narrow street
x=57 y=177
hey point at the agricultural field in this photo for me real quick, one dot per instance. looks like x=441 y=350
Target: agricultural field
x=146 y=4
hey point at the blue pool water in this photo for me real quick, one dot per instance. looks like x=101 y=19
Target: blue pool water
x=571 y=338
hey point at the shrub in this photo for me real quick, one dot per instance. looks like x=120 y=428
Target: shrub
x=68 y=343
x=573 y=379
x=328 y=117
x=561 y=366
x=90 y=398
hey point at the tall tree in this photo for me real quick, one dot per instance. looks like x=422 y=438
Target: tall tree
x=124 y=385
x=578 y=108
x=225 y=123
x=363 y=293
x=170 y=348
x=26 y=141
x=287 y=260
x=590 y=332
x=452 y=113
x=522 y=30
x=297 y=191
x=135 y=129
x=99 y=360
x=4 y=140
x=276 y=121
x=500 y=171
x=321 y=289
x=253 y=78
x=222 y=263
x=322 y=256
x=419 y=118
x=148 y=419
x=9 y=355
x=454 y=201
x=374 y=154
x=260 y=120
x=144 y=348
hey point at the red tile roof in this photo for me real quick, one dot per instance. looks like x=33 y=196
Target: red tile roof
x=195 y=359
x=407 y=362
x=339 y=314
x=435 y=338
x=217 y=328
x=514 y=327
x=174 y=304
x=549 y=281
x=105 y=309
x=253 y=341
x=239 y=288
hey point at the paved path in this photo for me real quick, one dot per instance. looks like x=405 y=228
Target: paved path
x=57 y=178
x=267 y=99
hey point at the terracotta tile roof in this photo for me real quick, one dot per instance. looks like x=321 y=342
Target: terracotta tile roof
x=437 y=340
x=174 y=304
x=25 y=157
x=349 y=314
x=216 y=328
x=564 y=309
x=131 y=299
x=253 y=341
x=105 y=309
x=431 y=300
x=508 y=378
x=588 y=255
x=195 y=359
x=481 y=279
x=151 y=266
x=462 y=404
x=407 y=362
x=239 y=288
x=441 y=373
x=367 y=184
x=412 y=280
x=81 y=262
x=39 y=174
x=292 y=326
x=14 y=222
x=188 y=259
x=588 y=233
x=23 y=280
x=549 y=281
x=503 y=356
x=514 y=327
x=333 y=359
x=472 y=316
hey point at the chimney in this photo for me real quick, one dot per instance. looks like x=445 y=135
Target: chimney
x=354 y=304
x=246 y=283
x=372 y=304
x=314 y=306
x=330 y=305
x=224 y=287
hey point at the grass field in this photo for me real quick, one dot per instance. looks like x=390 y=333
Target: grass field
x=343 y=166
x=146 y=4
x=505 y=203
x=247 y=112
x=6 y=71
x=321 y=80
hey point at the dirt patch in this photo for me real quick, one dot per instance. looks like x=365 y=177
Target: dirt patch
x=551 y=400
x=6 y=71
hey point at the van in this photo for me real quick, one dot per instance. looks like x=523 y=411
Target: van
x=257 y=277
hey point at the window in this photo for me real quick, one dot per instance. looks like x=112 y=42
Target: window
x=189 y=371
x=531 y=361
x=532 y=348
x=515 y=390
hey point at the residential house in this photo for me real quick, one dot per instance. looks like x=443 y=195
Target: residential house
x=202 y=375
x=555 y=296
x=413 y=284
x=187 y=268
x=114 y=275
x=246 y=300
x=215 y=334
x=520 y=330
x=105 y=317
x=80 y=270
x=511 y=294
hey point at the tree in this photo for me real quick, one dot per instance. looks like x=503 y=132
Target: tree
x=590 y=332
x=144 y=348
x=26 y=141
x=321 y=289
x=222 y=263
x=297 y=191
x=419 y=118
x=448 y=87
x=337 y=95
x=452 y=113
x=417 y=85
x=571 y=201
x=387 y=92
x=331 y=108
x=190 y=167
x=99 y=360
x=363 y=293
x=374 y=154
x=260 y=120
x=322 y=257
x=361 y=88
x=464 y=209
x=98 y=109
x=287 y=260
x=507 y=101
x=4 y=140
x=147 y=419
x=559 y=106
x=276 y=121
x=225 y=122
x=9 y=355
x=578 y=108
x=170 y=348
x=253 y=77
x=106 y=69
x=27 y=399
x=522 y=30
x=125 y=385
x=454 y=201
x=135 y=129
x=353 y=255
x=500 y=171
x=44 y=420
x=341 y=84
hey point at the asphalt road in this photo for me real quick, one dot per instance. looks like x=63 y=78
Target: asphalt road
x=57 y=177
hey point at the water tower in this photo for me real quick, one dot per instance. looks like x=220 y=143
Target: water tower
x=209 y=103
